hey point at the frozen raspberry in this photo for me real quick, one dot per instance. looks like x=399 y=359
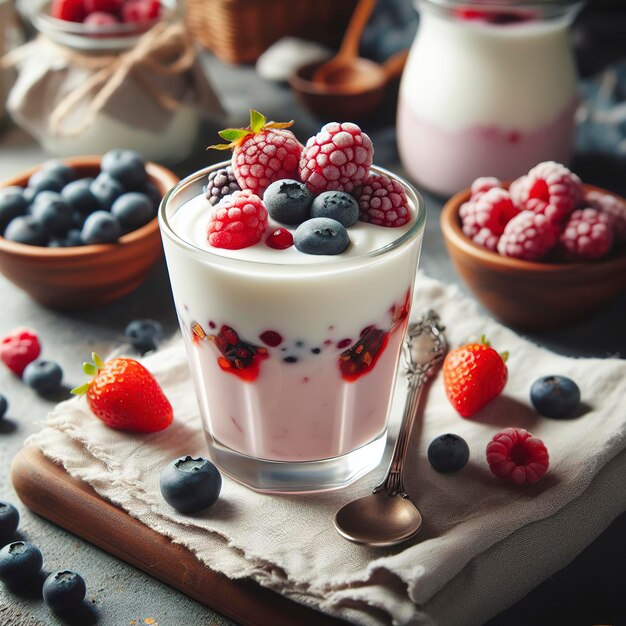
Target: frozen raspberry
x=528 y=236
x=262 y=153
x=484 y=218
x=587 y=235
x=19 y=348
x=221 y=183
x=483 y=184
x=238 y=221
x=338 y=158
x=558 y=190
x=515 y=455
x=611 y=206
x=382 y=201
x=518 y=190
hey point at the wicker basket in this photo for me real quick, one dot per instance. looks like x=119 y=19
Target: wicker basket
x=238 y=31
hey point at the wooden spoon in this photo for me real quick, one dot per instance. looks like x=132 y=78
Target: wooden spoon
x=346 y=67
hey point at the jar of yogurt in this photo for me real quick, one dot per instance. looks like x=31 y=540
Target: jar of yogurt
x=489 y=89
x=293 y=355
x=87 y=90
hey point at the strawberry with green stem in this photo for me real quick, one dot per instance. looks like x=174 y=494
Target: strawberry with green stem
x=262 y=153
x=125 y=395
x=473 y=375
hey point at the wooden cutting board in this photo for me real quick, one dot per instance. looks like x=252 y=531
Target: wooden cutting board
x=48 y=490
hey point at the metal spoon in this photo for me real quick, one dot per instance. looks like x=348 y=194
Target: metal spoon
x=387 y=517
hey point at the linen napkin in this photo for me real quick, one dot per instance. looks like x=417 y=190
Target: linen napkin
x=459 y=569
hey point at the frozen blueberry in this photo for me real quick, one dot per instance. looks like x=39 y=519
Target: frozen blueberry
x=9 y=520
x=60 y=170
x=144 y=335
x=45 y=181
x=448 y=453
x=20 y=562
x=106 y=189
x=190 y=485
x=79 y=196
x=52 y=213
x=321 y=235
x=43 y=376
x=288 y=201
x=337 y=205
x=555 y=396
x=152 y=191
x=101 y=227
x=25 y=229
x=63 y=591
x=71 y=240
x=4 y=405
x=133 y=210
x=127 y=166
x=78 y=219
x=12 y=204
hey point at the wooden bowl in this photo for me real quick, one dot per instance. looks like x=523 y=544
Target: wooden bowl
x=531 y=295
x=330 y=102
x=85 y=277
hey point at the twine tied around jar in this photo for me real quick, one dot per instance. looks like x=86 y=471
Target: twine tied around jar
x=164 y=49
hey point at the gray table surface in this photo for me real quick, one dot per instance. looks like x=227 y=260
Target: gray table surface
x=119 y=593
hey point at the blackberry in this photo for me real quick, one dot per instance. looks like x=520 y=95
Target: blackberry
x=221 y=183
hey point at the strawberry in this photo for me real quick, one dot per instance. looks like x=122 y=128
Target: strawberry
x=125 y=395
x=473 y=375
x=262 y=153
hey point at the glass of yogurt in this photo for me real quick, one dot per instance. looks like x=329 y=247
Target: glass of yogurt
x=293 y=356
x=489 y=89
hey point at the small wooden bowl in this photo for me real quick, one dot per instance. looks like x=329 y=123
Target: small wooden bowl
x=85 y=277
x=329 y=102
x=531 y=295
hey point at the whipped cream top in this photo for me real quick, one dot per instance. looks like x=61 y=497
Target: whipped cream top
x=190 y=222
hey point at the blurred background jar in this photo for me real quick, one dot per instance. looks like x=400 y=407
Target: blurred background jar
x=489 y=90
x=88 y=88
x=9 y=37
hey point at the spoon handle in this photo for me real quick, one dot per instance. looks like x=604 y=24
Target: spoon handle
x=424 y=350
x=350 y=44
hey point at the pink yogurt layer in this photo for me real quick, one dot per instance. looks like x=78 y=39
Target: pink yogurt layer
x=446 y=161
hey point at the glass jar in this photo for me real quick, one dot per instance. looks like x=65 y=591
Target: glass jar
x=293 y=360
x=489 y=89
x=67 y=56
x=9 y=38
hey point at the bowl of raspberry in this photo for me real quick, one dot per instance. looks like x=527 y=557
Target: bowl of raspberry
x=543 y=251
x=107 y=24
x=82 y=232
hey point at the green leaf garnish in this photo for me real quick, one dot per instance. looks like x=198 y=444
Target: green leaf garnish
x=257 y=120
x=90 y=369
x=79 y=391
x=232 y=134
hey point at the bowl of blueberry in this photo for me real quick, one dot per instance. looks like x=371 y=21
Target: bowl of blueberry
x=82 y=232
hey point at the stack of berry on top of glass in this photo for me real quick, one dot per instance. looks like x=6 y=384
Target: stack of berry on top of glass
x=546 y=215
x=57 y=209
x=318 y=191
x=99 y=14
